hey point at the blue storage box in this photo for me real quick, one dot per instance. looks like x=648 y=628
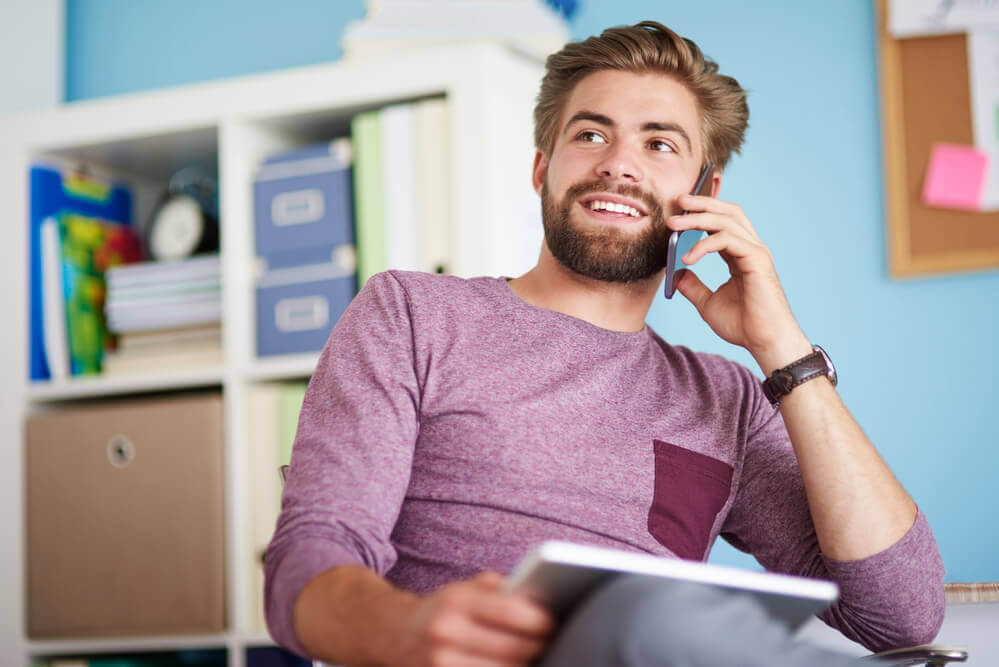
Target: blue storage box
x=344 y=256
x=298 y=306
x=305 y=198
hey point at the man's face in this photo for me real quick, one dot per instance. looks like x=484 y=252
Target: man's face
x=628 y=145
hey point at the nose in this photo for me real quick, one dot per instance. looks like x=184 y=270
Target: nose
x=619 y=163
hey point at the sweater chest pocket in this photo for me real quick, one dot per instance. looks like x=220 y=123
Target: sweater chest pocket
x=689 y=491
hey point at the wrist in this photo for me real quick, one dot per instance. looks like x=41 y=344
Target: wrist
x=782 y=352
x=397 y=609
x=344 y=614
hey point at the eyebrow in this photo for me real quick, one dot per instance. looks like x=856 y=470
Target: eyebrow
x=651 y=126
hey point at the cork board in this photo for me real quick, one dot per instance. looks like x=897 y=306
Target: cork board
x=925 y=98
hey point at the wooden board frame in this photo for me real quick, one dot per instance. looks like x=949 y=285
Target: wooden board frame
x=925 y=98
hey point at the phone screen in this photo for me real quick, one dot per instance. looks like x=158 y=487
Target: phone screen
x=680 y=242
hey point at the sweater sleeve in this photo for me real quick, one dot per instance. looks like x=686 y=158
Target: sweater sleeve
x=352 y=454
x=891 y=599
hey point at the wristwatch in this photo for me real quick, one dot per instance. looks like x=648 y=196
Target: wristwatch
x=783 y=380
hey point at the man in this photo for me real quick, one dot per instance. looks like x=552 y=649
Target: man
x=453 y=424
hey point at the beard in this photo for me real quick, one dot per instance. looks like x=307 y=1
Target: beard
x=605 y=252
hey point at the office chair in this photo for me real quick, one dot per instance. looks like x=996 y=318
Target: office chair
x=929 y=655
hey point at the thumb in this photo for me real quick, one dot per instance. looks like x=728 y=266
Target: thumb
x=691 y=287
x=489 y=580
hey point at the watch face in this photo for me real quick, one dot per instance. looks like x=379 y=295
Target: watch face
x=176 y=229
x=830 y=369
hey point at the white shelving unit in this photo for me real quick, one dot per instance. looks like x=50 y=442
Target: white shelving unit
x=230 y=126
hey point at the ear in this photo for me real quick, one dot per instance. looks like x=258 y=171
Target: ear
x=539 y=171
x=716 y=180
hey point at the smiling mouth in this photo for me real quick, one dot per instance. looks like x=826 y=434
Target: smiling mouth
x=607 y=210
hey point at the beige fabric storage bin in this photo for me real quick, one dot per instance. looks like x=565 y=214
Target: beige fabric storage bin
x=124 y=518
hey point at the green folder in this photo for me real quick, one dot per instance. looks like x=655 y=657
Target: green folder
x=369 y=216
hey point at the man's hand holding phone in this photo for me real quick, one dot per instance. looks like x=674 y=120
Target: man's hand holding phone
x=750 y=309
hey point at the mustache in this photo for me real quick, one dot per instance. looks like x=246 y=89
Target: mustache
x=652 y=204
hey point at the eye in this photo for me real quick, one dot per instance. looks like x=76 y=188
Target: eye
x=660 y=146
x=590 y=137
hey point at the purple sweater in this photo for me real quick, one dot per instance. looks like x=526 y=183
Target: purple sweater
x=450 y=427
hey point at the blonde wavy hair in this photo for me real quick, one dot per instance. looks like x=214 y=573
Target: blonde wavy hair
x=646 y=47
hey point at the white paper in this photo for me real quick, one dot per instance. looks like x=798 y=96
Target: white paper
x=983 y=74
x=918 y=18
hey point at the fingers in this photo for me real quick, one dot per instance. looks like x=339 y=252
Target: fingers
x=450 y=657
x=742 y=251
x=695 y=291
x=489 y=580
x=711 y=215
x=477 y=618
x=457 y=630
x=699 y=203
x=514 y=613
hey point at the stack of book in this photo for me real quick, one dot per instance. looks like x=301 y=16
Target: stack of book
x=165 y=314
x=403 y=188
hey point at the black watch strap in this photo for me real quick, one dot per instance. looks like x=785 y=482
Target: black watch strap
x=783 y=380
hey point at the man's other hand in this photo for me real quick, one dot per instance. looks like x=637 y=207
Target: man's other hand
x=472 y=623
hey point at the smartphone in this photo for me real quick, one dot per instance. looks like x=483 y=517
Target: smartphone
x=680 y=242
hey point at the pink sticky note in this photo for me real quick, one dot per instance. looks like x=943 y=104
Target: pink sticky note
x=955 y=177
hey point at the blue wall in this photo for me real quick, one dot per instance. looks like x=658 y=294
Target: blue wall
x=916 y=357
x=121 y=46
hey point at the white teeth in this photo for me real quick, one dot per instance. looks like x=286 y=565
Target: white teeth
x=597 y=205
